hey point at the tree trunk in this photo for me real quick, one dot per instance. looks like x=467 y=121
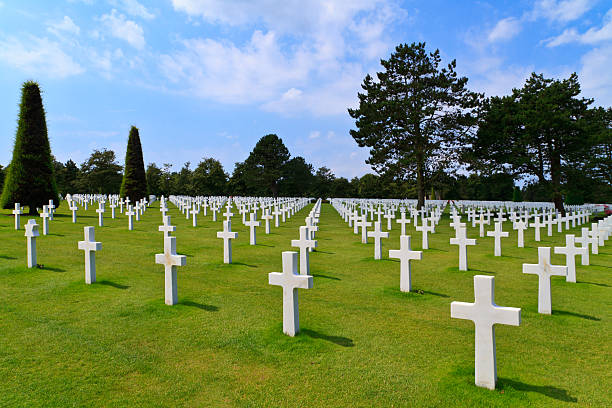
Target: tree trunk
x=555 y=175
x=420 y=183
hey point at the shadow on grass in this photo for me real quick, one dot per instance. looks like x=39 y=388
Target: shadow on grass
x=548 y=390
x=602 y=266
x=435 y=249
x=208 y=308
x=324 y=252
x=7 y=257
x=56 y=235
x=50 y=268
x=341 y=341
x=588 y=283
x=427 y=292
x=113 y=284
x=582 y=316
x=265 y=245
x=316 y=275
x=481 y=270
x=243 y=264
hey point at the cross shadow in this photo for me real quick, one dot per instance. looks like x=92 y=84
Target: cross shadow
x=588 y=283
x=602 y=266
x=50 y=268
x=113 y=284
x=481 y=270
x=547 y=390
x=7 y=257
x=208 y=308
x=341 y=341
x=325 y=276
x=324 y=252
x=56 y=235
x=265 y=245
x=243 y=264
x=427 y=292
x=582 y=316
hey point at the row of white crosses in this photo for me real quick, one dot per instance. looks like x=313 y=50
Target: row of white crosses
x=289 y=279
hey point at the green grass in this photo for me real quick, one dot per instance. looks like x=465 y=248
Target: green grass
x=363 y=342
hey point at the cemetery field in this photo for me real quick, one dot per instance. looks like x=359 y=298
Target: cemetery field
x=363 y=343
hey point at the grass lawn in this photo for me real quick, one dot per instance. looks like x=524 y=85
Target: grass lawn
x=363 y=342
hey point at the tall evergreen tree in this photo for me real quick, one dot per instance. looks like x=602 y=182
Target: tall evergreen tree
x=30 y=179
x=414 y=116
x=134 y=184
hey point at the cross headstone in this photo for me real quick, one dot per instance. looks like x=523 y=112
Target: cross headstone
x=194 y=215
x=90 y=247
x=252 y=224
x=405 y=254
x=584 y=242
x=363 y=223
x=45 y=215
x=167 y=228
x=425 y=228
x=267 y=217
x=290 y=282
x=537 y=225
x=544 y=270
x=130 y=213
x=485 y=314
x=170 y=260
x=17 y=213
x=51 y=209
x=463 y=241
x=31 y=232
x=100 y=212
x=498 y=233
x=403 y=221
x=73 y=207
x=227 y=235
x=481 y=223
x=377 y=234
x=304 y=243
x=520 y=226
x=570 y=250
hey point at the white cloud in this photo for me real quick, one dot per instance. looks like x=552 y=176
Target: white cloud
x=505 y=29
x=561 y=11
x=315 y=134
x=591 y=36
x=595 y=75
x=119 y=27
x=66 y=26
x=38 y=56
x=133 y=8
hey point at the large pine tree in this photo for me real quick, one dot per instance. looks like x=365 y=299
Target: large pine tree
x=30 y=178
x=134 y=184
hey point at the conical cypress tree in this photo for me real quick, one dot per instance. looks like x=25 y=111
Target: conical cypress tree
x=134 y=184
x=30 y=179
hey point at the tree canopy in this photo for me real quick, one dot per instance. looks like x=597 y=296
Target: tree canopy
x=414 y=116
x=134 y=183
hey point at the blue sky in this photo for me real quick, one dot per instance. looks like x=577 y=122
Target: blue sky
x=208 y=78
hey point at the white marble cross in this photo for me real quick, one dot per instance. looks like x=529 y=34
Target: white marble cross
x=112 y=206
x=481 y=223
x=463 y=241
x=544 y=270
x=227 y=235
x=594 y=239
x=194 y=215
x=403 y=221
x=425 y=228
x=252 y=224
x=305 y=244
x=377 y=234
x=90 y=247
x=498 y=233
x=17 y=213
x=485 y=314
x=520 y=226
x=130 y=213
x=363 y=223
x=290 y=282
x=405 y=254
x=537 y=225
x=45 y=215
x=167 y=228
x=51 y=209
x=31 y=232
x=73 y=207
x=170 y=260
x=276 y=213
x=267 y=217
x=389 y=216
x=584 y=241
x=100 y=212
x=570 y=251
